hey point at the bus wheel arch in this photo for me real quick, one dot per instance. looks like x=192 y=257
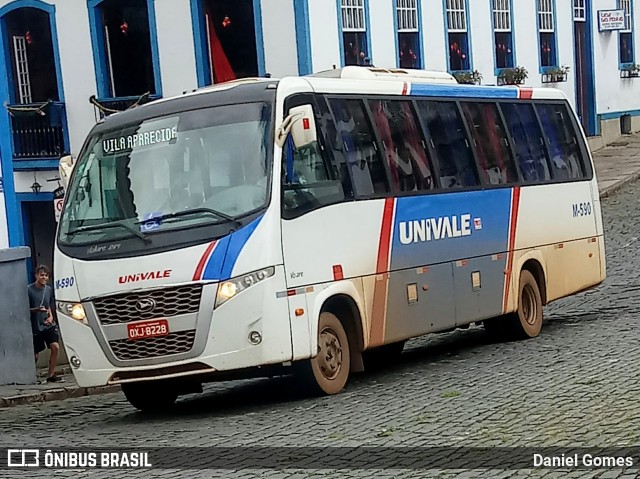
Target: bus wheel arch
x=535 y=268
x=347 y=312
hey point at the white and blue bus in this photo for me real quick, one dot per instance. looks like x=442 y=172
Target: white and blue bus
x=308 y=224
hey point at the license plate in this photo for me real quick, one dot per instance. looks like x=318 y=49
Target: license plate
x=148 y=329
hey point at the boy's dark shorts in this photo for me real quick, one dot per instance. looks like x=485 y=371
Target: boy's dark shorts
x=46 y=337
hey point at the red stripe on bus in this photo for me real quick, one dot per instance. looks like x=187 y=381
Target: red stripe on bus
x=384 y=246
x=203 y=261
x=405 y=88
x=380 y=289
x=525 y=93
x=515 y=204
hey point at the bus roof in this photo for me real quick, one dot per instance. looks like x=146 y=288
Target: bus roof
x=348 y=80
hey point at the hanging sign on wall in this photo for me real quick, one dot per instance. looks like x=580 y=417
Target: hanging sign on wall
x=609 y=20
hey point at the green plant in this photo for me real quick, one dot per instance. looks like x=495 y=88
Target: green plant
x=513 y=76
x=469 y=77
x=451 y=394
x=559 y=71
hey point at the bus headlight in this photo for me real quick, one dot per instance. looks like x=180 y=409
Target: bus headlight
x=75 y=310
x=228 y=289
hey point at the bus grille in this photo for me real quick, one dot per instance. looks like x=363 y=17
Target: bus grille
x=121 y=308
x=174 y=343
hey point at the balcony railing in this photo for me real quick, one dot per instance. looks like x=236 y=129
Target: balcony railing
x=38 y=130
x=108 y=106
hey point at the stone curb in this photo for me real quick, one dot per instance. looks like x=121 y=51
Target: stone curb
x=610 y=190
x=56 y=395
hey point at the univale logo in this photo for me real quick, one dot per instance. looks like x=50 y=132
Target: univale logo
x=134 y=278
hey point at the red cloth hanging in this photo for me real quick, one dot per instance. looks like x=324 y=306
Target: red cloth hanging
x=222 y=70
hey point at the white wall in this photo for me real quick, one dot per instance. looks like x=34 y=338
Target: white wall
x=4 y=229
x=434 y=50
x=479 y=20
x=24 y=179
x=323 y=26
x=383 y=43
x=279 y=36
x=78 y=73
x=176 y=46
x=613 y=94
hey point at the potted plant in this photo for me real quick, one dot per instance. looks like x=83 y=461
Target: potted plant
x=469 y=77
x=555 y=74
x=513 y=76
x=630 y=70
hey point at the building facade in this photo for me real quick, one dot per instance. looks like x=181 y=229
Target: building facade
x=66 y=63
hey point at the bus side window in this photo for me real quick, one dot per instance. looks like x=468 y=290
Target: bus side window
x=355 y=150
x=308 y=181
x=447 y=132
x=525 y=131
x=564 y=148
x=402 y=144
x=496 y=163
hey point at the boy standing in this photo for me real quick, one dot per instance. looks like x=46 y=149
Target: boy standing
x=45 y=331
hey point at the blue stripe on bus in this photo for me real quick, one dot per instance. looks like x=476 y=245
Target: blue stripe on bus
x=224 y=256
x=236 y=244
x=213 y=268
x=464 y=91
x=441 y=228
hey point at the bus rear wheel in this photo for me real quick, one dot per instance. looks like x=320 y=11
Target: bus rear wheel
x=526 y=322
x=327 y=373
x=150 y=396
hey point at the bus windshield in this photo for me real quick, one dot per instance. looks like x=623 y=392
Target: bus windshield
x=190 y=169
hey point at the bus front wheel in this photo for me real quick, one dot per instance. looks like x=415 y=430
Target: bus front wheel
x=328 y=372
x=150 y=396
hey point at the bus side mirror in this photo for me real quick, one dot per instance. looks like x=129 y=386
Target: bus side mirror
x=301 y=123
x=65 y=168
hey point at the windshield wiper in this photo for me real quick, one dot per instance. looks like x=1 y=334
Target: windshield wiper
x=195 y=211
x=114 y=224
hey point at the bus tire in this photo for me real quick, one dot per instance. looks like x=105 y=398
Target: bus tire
x=526 y=322
x=328 y=372
x=150 y=396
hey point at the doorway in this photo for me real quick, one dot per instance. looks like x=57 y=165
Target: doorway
x=584 y=73
x=230 y=32
x=40 y=231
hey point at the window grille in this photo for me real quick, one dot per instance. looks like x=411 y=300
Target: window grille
x=579 y=11
x=353 y=16
x=22 y=68
x=456 y=16
x=502 y=15
x=626 y=6
x=545 y=15
x=407 y=13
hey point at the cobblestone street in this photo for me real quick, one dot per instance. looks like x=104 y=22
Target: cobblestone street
x=575 y=385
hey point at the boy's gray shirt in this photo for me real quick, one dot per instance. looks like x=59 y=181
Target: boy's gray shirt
x=39 y=297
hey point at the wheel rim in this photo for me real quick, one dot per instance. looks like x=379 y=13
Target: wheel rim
x=529 y=305
x=330 y=355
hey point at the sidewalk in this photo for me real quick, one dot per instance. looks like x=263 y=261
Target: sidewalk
x=616 y=165
x=16 y=395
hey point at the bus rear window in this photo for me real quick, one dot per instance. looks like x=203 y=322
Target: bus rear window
x=531 y=154
x=564 y=147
